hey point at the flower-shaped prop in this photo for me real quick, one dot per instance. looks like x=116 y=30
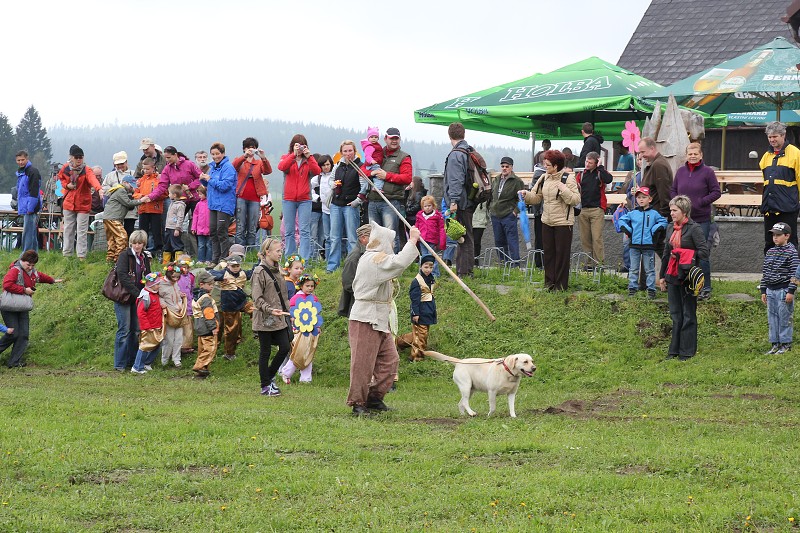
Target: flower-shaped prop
x=306 y=314
x=631 y=136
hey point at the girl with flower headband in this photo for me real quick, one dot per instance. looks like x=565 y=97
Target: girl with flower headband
x=306 y=315
x=293 y=268
x=175 y=303
x=186 y=284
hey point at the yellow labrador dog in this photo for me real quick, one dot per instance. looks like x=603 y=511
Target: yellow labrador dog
x=493 y=376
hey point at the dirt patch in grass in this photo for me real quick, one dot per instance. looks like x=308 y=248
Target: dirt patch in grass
x=632 y=470
x=198 y=470
x=673 y=386
x=721 y=395
x=439 y=422
x=103 y=478
x=604 y=404
x=754 y=396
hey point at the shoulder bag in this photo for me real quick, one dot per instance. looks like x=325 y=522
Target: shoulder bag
x=113 y=289
x=283 y=304
x=16 y=303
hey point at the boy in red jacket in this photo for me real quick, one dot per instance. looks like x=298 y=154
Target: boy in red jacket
x=151 y=322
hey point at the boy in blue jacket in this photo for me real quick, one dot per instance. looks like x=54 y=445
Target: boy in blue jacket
x=423 y=310
x=641 y=226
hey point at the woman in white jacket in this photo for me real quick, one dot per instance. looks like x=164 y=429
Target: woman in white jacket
x=321 y=192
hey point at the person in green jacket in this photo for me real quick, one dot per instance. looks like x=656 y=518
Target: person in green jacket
x=503 y=209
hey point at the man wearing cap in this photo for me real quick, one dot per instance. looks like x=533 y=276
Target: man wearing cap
x=121 y=174
x=349 y=270
x=456 y=167
x=76 y=181
x=396 y=171
x=592 y=220
x=504 y=211
x=781 y=167
x=148 y=148
x=29 y=200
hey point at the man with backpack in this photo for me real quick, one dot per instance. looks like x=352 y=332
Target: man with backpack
x=456 y=178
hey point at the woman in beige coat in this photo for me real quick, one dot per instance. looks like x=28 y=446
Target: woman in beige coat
x=558 y=193
x=270 y=309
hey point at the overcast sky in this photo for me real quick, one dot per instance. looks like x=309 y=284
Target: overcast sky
x=349 y=64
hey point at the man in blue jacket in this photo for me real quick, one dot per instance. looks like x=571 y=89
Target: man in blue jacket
x=29 y=200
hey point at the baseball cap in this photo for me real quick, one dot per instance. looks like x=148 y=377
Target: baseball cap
x=643 y=190
x=147 y=141
x=781 y=228
x=393 y=132
x=120 y=157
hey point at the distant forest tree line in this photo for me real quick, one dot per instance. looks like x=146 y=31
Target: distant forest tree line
x=101 y=142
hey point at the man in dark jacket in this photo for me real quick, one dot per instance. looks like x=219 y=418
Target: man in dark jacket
x=29 y=200
x=593 y=183
x=503 y=209
x=456 y=167
x=591 y=142
x=349 y=270
x=658 y=178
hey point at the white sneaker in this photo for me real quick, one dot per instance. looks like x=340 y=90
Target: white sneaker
x=148 y=367
x=134 y=371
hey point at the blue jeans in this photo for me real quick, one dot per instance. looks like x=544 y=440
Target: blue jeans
x=204 y=248
x=380 y=212
x=30 y=232
x=127 y=340
x=319 y=235
x=648 y=257
x=626 y=250
x=344 y=222
x=247 y=215
x=293 y=211
x=780 y=317
x=705 y=264
x=505 y=235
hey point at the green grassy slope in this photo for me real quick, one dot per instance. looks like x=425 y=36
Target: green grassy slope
x=609 y=436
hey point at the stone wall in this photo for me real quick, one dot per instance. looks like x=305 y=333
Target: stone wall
x=741 y=247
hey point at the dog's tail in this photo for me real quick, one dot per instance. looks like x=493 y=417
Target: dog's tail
x=441 y=357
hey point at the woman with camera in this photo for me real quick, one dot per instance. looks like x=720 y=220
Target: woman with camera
x=298 y=166
x=344 y=216
x=19 y=284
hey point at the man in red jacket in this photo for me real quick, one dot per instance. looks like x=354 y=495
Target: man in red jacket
x=77 y=181
x=396 y=171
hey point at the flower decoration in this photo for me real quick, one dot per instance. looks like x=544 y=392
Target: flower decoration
x=293 y=259
x=631 y=136
x=307 y=276
x=185 y=261
x=306 y=314
x=171 y=267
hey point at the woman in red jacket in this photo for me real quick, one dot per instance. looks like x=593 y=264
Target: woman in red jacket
x=20 y=279
x=298 y=167
x=77 y=180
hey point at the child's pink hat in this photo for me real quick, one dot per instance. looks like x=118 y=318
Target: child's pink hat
x=373 y=130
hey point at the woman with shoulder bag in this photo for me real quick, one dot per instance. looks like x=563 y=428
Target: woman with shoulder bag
x=270 y=313
x=20 y=284
x=132 y=266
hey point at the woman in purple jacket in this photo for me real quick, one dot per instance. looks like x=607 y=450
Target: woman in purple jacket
x=699 y=183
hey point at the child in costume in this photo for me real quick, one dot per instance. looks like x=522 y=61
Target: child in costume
x=423 y=310
x=293 y=266
x=175 y=304
x=118 y=202
x=149 y=310
x=174 y=222
x=186 y=283
x=232 y=280
x=306 y=313
x=204 y=312
x=373 y=155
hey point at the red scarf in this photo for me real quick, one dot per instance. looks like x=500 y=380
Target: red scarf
x=675 y=239
x=692 y=167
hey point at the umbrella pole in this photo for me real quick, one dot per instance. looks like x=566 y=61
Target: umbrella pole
x=533 y=150
x=428 y=246
x=724 y=138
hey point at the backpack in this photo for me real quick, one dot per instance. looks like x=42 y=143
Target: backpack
x=576 y=210
x=602 y=187
x=477 y=182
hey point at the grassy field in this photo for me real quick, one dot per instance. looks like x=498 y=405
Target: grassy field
x=609 y=436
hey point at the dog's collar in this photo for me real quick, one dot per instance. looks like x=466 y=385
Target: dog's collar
x=503 y=362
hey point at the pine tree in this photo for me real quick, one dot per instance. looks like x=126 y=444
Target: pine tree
x=32 y=136
x=8 y=164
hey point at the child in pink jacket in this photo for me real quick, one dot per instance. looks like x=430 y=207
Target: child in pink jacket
x=431 y=228
x=201 y=229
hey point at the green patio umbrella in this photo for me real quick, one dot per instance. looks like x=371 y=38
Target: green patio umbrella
x=764 y=79
x=555 y=104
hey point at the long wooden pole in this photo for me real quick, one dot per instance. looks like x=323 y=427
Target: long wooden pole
x=427 y=246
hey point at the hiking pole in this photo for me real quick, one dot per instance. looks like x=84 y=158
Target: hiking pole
x=428 y=246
